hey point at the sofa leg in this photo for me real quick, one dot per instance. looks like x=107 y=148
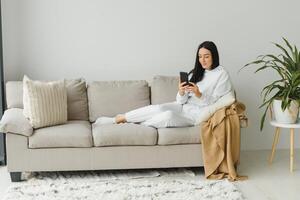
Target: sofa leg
x=15 y=176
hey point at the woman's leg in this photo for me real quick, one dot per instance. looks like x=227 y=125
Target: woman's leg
x=134 y=116
x=147 y=112
x=169 y=119
x=141 y=114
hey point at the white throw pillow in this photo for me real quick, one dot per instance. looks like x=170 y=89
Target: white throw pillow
x=45 y=103
x=14 y=121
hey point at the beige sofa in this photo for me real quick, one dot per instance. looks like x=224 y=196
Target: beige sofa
x=81 y=145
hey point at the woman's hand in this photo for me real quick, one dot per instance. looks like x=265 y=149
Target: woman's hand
x=194 y=88
x=182 y=88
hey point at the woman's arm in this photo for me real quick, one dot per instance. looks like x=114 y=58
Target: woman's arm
x=182 y=95
x=181 y=99
x=223 y=87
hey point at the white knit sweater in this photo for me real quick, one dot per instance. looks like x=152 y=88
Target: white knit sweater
x=215 y=84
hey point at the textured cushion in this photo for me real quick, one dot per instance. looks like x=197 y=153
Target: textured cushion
x=164 y=89
x=72 y=134
x=109 y=98
x=14 y=94
x=13 y=121
x=184 y=135
x=123 y=134
x=77 y=99
x=45 y=103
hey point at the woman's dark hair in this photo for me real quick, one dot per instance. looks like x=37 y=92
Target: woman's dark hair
x=198 y=70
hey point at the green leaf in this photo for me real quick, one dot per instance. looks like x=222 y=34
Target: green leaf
x=288 y=44
x=251 y=63
x=289 y=63
x=270 y=89
x=283 y=49
x=262 y=121
x=275 y=59
x=295 y=54
x=298 y=65
x=269 y=100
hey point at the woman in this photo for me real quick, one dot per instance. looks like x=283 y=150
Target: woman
x=209 y=82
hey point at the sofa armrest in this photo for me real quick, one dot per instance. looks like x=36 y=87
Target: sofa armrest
x=208 y=111
x=13 y=121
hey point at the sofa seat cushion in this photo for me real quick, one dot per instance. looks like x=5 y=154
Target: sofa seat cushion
x=72 y=134
x=184 y=135
x=123 y=134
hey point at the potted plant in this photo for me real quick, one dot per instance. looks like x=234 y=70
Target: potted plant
x=284 y=93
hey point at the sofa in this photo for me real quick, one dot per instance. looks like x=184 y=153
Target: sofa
x=80 y=144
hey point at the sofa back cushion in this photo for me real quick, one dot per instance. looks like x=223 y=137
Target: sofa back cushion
x=164 y=89
x=76 y=96
x=77 y=99
x=109 y=98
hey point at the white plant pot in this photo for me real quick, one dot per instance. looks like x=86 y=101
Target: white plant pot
x=289 y=116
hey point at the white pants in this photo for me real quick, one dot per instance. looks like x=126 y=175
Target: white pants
x=160 y=116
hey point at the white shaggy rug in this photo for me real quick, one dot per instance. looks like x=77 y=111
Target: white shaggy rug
x=170 y=184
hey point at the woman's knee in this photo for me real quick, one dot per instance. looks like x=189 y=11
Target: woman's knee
x=161 y=120
x=169 y=107
x=162 y=107
x=167 y=114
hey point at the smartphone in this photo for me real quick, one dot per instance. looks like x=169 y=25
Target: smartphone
x=184 y=77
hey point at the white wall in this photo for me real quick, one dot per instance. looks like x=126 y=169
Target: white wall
x=137 y=39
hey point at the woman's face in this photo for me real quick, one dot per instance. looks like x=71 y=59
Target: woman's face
x=205 y=58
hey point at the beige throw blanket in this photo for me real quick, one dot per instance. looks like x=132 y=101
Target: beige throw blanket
x=221 y=142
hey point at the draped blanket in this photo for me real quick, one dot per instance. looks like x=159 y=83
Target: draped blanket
x=221 y=142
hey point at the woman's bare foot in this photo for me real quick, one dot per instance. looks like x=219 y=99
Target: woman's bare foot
x=120 y=119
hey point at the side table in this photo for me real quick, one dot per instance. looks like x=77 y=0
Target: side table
x=278 y=125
